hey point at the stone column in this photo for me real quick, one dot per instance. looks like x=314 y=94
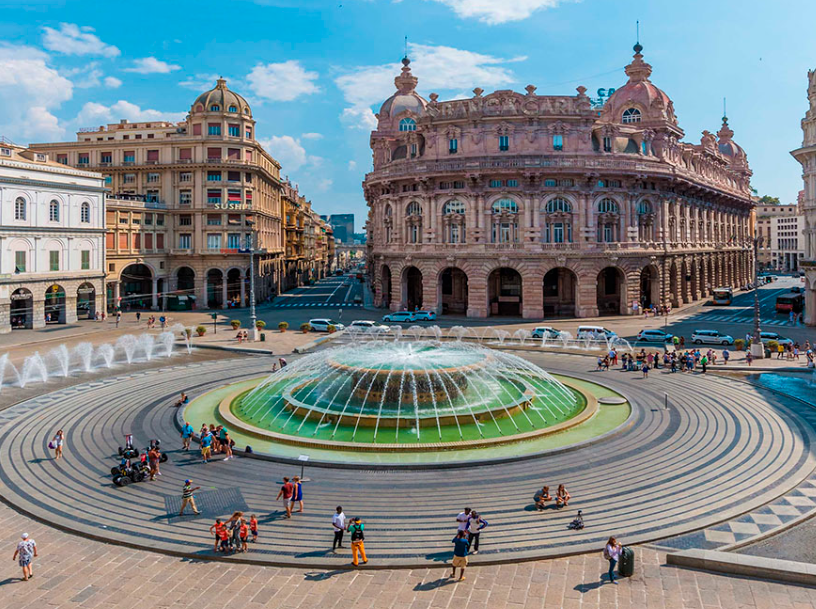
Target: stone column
x=586 y=294
x=532 y=296
x=202 y=294
x=5 y=316
x=154 y=295
x=244 y=302
x=431 y=292
x=810 y=301
x=116 y=294
x=396 y=290
x=686 y=284
x=69 y=314
x=477 y=296
x=695 y=278
x=38 y=313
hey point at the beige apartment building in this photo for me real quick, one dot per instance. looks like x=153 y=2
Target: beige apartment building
x=768 y=218
x=187 y=202
x=309 y=240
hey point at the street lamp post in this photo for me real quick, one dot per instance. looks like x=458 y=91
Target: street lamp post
x=253 y=319
x=757 y=349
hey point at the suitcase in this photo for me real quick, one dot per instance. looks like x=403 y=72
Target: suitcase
x=626 y=564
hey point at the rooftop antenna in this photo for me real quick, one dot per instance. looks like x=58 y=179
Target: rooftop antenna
x=406 y=47
x=725 y=114
x=638 y=47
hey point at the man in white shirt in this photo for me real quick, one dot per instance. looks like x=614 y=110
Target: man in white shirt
x=339 y=525
x=462 y=519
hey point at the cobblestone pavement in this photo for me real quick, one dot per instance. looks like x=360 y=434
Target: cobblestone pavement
x=76 y=572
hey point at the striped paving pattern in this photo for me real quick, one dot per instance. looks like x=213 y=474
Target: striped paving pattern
x=745 y=317
x=721 y=450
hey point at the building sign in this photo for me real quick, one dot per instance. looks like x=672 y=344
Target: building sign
x=232 y=205
x=21 y=296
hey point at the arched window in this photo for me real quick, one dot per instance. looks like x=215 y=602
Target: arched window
x=388 y=212
x=85 y=213
x=20 y=208
x=643 y=208
x=53 y=211
x=413 y=209
x=607 y=206
x=631 y=115
x=557 y=205
x=215 y=108
x=233 y=108
x=453 y=207
x=508 y=206
x=407 y=124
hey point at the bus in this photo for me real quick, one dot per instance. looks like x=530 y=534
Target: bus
x=790 y=302
x=722 y=296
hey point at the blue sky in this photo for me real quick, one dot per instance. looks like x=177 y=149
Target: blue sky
x=314 y=70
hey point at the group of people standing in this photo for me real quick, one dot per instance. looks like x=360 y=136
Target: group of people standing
x=292 y=494
x=469 y=526
x=356 y=529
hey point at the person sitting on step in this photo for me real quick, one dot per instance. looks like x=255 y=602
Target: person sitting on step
x=542 y=497
x=562 y=496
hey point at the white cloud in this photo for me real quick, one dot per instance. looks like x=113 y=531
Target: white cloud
x=352 y=165
x=323 y=185
x=494 y=12
x=282 y=81
x=30 y=90
x=311 y=136
x=70 y=39
x=112 y=82
x=200 y=82
x=151 y=65
x=94 y=114
x=438 y=68
x=289 y=152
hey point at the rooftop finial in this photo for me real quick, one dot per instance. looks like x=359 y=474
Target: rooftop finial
x=405 y=60
x=725 y=114
x=638 y=47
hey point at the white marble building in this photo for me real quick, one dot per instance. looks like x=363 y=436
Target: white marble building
x=52 y=240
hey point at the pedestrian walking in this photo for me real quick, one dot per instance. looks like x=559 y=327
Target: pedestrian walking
x=285 y=492
x=340 y=314
x=25 y=553
x=339 y=527
x=253 y=527
x=297 y=493
x=58 y=441
x=138 y=316
x=118 y=317
x=153 y=456
x=186 y=435
x=612 y=553
x=749 y=357
x=357 y=533
x=476 y=524
x=726 y=355
x=187 y=497
x=460 y=555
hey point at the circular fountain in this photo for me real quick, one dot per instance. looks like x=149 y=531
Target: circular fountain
x=406 y=396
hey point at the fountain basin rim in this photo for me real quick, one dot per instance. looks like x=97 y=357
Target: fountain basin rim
x=226 y=414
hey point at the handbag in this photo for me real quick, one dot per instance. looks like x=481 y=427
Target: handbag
x=51 y=445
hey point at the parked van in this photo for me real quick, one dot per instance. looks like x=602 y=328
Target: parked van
x=595 y=332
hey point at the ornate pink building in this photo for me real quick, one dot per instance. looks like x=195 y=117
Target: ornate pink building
x=522 y=204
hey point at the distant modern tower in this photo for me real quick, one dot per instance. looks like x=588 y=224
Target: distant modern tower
x=343 y=226
x=806 y=155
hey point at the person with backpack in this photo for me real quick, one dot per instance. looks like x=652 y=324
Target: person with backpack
x=612 y=553
x=356 y=530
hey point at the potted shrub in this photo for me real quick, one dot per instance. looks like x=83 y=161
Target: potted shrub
x=283 y=325
x=306 y=327
x=235 y=323
x=188 y=332
x=201 y=330
x=739 y=344
x=260 y=324
x=773 y=346
x=331 y=329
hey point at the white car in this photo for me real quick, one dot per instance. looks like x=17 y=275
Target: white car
x=424 y=315
x=322 y=325
x=766 y=337
x=368 y=326
x=710 y=337
x=546 y=332
x=401 y=317
x=656 y=336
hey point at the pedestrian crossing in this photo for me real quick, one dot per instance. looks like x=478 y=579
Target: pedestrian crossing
x=746 y=318
x=312 y=305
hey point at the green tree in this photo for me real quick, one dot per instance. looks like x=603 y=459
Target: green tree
x=768 y=200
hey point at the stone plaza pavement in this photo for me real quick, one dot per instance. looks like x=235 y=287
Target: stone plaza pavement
x=77 y=572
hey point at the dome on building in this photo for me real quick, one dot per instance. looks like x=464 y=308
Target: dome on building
x=406 y=97
x=640 y=94
x=223 y=98
x=726 y=145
